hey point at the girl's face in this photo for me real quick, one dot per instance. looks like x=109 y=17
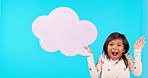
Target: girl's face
x=115 y=49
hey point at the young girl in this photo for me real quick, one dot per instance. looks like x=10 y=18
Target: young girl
x=115 y=61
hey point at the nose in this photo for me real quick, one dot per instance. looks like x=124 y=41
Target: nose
x=114 y=47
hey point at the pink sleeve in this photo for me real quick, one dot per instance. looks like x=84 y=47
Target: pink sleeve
x=94 y=70
x=135 y=65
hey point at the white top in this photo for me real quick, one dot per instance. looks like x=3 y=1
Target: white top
x=106 y=68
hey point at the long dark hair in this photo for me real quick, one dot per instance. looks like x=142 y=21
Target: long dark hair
x=113 y=36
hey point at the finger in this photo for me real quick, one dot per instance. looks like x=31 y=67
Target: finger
x=142 y=38
x=136 y=42
x=85 y=47
x=144 y=43
x=140 y=42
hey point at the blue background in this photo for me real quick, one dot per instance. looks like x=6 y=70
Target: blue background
x=22 y=57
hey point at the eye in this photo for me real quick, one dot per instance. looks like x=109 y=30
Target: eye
x=118 y=44
x=111 y=44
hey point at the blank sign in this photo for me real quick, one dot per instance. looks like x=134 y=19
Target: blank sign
x=63 y=30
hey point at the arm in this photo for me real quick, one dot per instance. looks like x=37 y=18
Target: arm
x=136 y=65
x=94 y=70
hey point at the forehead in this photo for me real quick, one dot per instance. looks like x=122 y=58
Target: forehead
x=116 y=41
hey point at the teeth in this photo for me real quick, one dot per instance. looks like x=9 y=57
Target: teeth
x=114 y=53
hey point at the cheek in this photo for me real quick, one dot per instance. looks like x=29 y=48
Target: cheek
x=123 y=50
x=108 y=48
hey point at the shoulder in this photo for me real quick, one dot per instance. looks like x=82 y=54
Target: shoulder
x=102 y=57
x=128 y=56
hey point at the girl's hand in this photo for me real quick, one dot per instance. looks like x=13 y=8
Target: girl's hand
x=139 y=44
x=88 y=49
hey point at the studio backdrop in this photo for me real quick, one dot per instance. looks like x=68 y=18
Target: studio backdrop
x=23 y=53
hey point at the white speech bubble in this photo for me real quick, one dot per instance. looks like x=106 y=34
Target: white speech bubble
x=62 y=30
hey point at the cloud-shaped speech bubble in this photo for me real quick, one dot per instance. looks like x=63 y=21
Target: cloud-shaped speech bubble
x=62 y=30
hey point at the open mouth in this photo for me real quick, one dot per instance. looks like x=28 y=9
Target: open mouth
x=114 y=53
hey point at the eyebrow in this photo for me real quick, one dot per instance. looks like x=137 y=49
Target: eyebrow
x=120 y=42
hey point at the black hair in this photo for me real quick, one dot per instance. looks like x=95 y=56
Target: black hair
x=116 y=35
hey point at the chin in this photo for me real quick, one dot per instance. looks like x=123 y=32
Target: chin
x=114 y=59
